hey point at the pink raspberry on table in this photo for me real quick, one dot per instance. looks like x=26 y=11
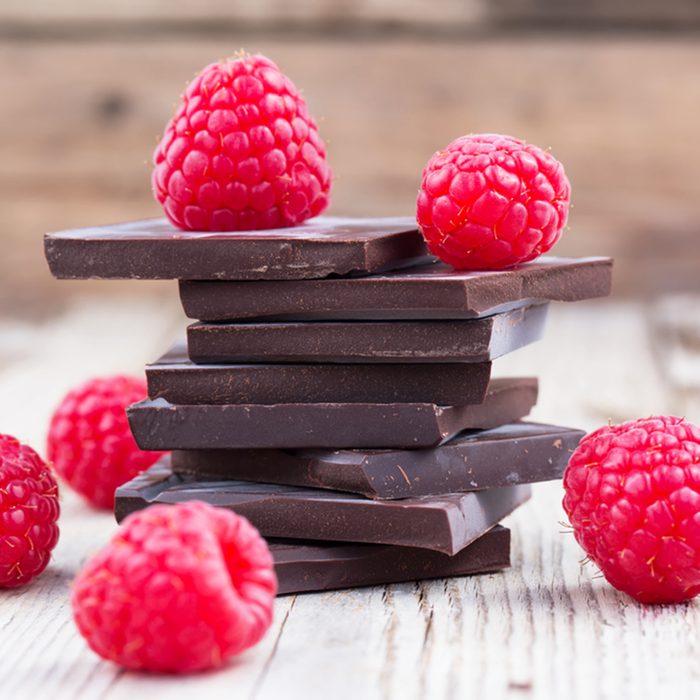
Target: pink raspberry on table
x=488 y=202
x=90 y=443
x=633 y=500
x=242 y=152
x=29 y=512
x=179 y=588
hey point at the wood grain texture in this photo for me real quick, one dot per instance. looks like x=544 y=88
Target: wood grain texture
x=546 y=628
x=452 y=15
x=384 y=107
x=649 y=14
x=277 y=12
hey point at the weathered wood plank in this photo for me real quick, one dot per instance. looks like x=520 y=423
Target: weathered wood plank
x=39 y=363
x=594 y=13
x=452 y=15
x=105 y=117
x=546 y=628
x=384 y=107
x=277 y=11
x=584 y=378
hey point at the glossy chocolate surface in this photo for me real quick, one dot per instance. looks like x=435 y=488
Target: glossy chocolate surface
x=424 y=292
x=179 y=381
x=155 y=249
x=305 y=566
x=446 y=523
x=159 y=425
x=472 y=340
x=518 y=453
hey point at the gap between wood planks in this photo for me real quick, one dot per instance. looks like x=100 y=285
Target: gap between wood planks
x=268 y=662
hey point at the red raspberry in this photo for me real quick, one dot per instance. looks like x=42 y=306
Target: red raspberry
x=633 y=499
x=179 y=588
x=488 y=202
x=90 y=443
x=242 y=152
x=28 y=513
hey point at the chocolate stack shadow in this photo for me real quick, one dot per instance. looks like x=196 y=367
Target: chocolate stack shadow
x=336 y=390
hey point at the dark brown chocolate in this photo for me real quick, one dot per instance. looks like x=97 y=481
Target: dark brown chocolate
x=179 y=381
x=427 y=292
x=154 y=249
x=519 y=453
x=304 y=566
x=473 y=340
x=446 y=523
x=159 y=425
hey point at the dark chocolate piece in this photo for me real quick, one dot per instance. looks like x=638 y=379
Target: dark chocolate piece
x=446 y=523
x=474 y=340
x=303 y=567
x=426 y=292
x=159 y=425
x=519 y=453
x=154 y=249
x=177 y=380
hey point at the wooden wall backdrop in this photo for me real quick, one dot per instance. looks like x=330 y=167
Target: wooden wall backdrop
x=611 y=86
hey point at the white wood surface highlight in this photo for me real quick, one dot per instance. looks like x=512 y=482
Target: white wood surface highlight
x=547 y=628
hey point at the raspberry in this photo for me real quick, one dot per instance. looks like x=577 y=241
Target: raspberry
x=633 y=499
x=488 y=202
x=28 y=513
x=241 y=152
x=90 y=443
x=179 y=588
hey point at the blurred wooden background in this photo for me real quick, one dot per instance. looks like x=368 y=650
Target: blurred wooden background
x=610 y=85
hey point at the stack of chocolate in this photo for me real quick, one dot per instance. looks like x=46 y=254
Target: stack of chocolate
x=336 y=391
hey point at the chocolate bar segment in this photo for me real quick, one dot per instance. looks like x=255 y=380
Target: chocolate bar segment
x=159 y=425
x=519 y=453
x=445 y=523
x=473 y=340
x=155 y=249
x=303 y=567
x=178 y=380
x=424 y=292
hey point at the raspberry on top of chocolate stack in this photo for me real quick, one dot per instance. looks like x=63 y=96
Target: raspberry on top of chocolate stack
x=488 y=202
x=241 y=152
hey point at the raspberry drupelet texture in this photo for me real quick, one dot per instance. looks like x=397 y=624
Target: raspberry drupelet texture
x=633 y=500
x=488 y=202
x=179 y=589
x=242 y=152
x=28 y=513
x=90 y=443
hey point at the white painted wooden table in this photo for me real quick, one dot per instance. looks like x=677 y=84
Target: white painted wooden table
x=545 y=628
